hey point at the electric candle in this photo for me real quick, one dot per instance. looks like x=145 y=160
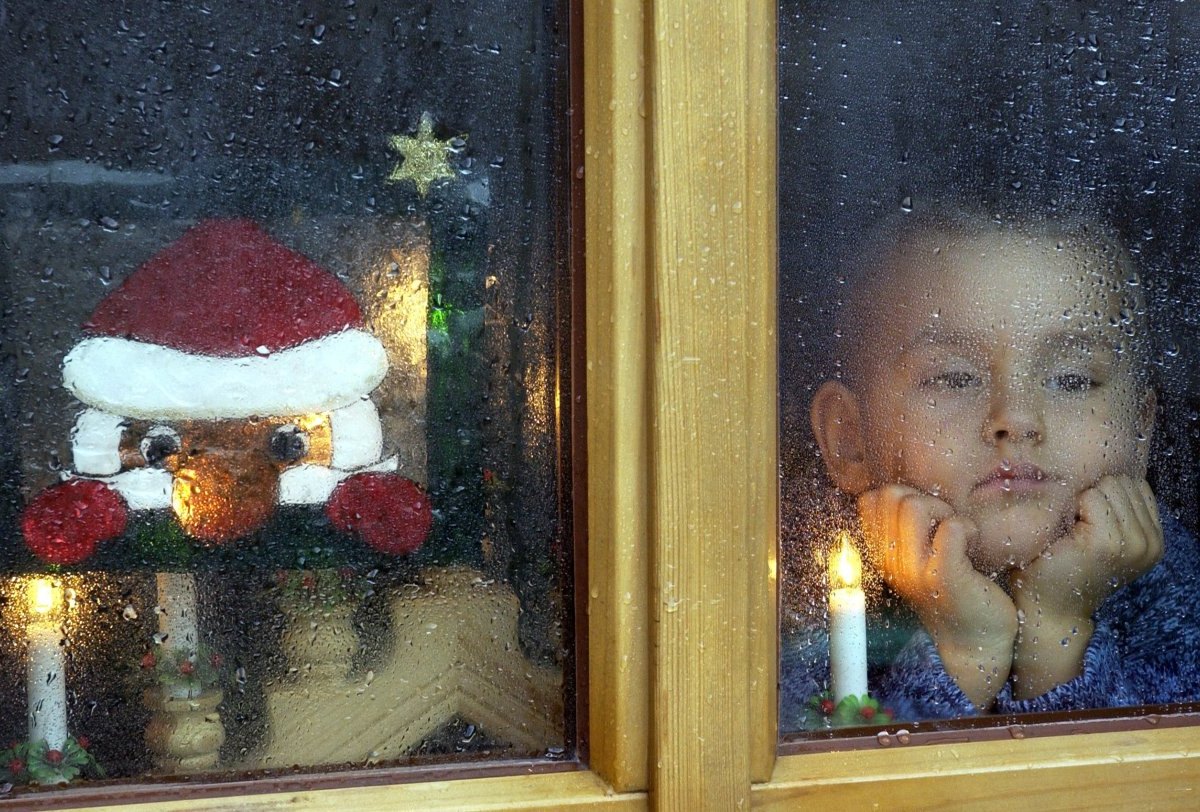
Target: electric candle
x=177 y=626
x=46 y=682
x=847 y=622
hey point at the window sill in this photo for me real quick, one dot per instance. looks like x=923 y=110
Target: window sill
x=1158 y=768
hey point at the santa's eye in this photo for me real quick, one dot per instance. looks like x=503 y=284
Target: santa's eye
x=288 y=443
x=158 y=444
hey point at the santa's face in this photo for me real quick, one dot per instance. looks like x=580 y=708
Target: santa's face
x=225 y=473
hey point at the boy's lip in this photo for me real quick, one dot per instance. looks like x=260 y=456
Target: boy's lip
x=1017 y=478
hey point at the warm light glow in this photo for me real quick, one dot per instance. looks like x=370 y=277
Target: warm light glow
x=397 y=303
x=181 y=495
x=44 y=596
x=845 y=565
x=221 y=497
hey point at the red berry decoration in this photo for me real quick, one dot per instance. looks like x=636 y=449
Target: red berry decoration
x=63 y=524
x=187 y=668
x=866 y=712
x=827 y=706
x=149 y=661
x=83 y=741
x=16 y=766
x=55 y=757
x=391 y=513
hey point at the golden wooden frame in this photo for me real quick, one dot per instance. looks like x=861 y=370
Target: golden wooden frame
x=680 y=168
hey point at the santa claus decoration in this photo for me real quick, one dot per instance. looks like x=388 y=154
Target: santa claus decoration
x=227 y=375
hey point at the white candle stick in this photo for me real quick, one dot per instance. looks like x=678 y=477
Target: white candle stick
x=847 y=623
x=177 y=626
x=46 y=679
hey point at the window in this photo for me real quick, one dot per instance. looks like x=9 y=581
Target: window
x=713 y=738
x=985 y=305
x=287 y=448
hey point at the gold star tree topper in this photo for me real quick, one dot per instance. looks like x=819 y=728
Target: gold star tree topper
x=424 y=157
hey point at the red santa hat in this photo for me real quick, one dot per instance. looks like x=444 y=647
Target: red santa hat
x=225 y=323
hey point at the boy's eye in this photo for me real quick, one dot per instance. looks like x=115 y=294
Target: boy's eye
x=1071 y=382
x=952 y=379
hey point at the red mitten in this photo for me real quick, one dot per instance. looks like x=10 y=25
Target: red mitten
x=63 y=524
x=391 y=513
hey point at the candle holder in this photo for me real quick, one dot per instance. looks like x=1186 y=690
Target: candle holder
x=185 y=734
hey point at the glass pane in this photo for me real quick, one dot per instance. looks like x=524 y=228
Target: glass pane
x=282 y=341
x=989 y=383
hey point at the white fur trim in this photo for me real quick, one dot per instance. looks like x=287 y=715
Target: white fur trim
x=137 y=379
x=142 y=488
x=357 y=435
x=96 y=442
x=313 y=484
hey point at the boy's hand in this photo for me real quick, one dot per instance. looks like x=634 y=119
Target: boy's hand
x=1117 y=537
x=920 y=547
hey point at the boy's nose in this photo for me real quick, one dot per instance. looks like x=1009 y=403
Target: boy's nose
x=1014 y=416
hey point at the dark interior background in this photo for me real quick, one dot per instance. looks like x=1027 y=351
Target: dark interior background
x=1018 y=104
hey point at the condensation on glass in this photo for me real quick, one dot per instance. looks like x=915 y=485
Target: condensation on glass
x=282 y=340
x=988 y=384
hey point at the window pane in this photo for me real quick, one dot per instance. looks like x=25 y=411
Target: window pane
x=282 y=333
x=988 y=306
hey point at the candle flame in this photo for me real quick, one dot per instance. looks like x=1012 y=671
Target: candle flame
x=845 y=565
x=44 y=595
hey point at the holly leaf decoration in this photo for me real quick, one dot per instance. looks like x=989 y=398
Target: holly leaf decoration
x=38 y=763
x=852 y=711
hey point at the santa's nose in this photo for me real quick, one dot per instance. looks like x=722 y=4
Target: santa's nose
x=223 y=495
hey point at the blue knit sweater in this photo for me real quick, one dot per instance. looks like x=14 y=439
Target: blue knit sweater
x=1145 y=650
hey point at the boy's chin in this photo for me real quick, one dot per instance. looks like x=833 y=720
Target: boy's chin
x=1009 y=542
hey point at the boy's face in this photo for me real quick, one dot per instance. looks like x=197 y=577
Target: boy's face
x=1000 y=380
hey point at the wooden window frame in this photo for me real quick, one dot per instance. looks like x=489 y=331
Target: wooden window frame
x=679 y=117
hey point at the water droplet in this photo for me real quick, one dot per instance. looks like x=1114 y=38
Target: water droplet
x=1016 y=731
x=129 y=613
x=906 y=204
x=213 y=70
x=883 y=738
x=109 y=223
x=55 y=141
x=318 y=34
x=903 y=736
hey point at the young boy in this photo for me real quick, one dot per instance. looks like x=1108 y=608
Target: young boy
x=994 y=423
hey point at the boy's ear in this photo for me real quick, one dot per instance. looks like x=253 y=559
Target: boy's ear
x=837 y=423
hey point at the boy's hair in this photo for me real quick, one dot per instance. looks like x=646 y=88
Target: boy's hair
x=910 y=237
